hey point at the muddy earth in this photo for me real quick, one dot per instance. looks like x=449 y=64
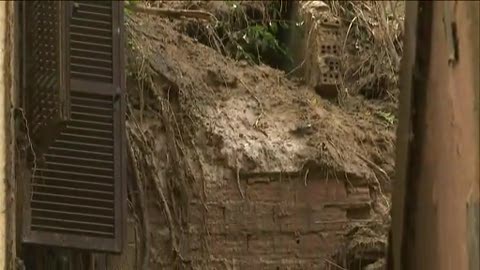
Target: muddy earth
x=201 y=122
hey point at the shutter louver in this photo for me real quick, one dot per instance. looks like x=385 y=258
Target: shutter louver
x=78 y=188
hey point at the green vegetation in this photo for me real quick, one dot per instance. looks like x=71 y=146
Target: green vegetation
x=257 y=32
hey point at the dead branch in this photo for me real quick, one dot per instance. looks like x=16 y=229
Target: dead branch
x=172 y=13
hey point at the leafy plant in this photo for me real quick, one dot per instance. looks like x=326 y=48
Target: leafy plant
x=257 y=40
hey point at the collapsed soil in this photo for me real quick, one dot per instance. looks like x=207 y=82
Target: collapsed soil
x=261 y=120
x=248 y=118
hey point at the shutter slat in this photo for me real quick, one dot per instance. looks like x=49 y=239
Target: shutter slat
x=86 y=183
x=73 y=189
x=97 y=7
x=72 y=213
x=96 y=46
x=86 y=137
x=104 y=62
x=93 y=176
x=91 y=20
x=73 y=167
x=78 y=152
x=69 y=230
x=87 y=207
x=72 y=198
x=101 y=148
x=86 y=76
x=74 y=221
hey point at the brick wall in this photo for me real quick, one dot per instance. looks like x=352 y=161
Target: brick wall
x=280 y=222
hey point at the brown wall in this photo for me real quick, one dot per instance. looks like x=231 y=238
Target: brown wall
x=297 y=223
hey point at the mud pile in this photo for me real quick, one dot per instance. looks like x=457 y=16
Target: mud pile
x=194 y=113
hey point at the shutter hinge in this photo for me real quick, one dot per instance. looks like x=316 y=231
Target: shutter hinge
x=75 y=8
x=118 y=95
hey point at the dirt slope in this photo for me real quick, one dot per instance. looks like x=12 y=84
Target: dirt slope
x=196 y=111
x=262 y=119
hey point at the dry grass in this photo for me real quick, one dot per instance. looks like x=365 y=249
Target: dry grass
x=372 y=46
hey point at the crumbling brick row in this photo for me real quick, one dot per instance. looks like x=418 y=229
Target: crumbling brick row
x=273 y=246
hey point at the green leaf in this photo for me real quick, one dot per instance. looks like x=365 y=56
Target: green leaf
x=274 y=27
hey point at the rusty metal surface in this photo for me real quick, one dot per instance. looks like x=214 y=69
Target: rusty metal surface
x=442 y=177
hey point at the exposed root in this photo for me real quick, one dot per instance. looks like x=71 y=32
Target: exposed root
x=336 y=266
x=145 y=221
x=238 y=183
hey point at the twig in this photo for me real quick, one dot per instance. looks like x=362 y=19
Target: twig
x=385 y=199
x=305 y=177
x=238 y=181
x=334 y=264
x=30 y=145
x=348 y=32
x=375 y=166
x=167 y=211
x=387 y=179
x=250 y=91
x=172 y=13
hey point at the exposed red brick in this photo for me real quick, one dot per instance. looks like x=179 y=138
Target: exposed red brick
x=247 y=216
x=359 y=213
x=277 y=225
x=230 y=190
x=314 y=245
x=229 y=245
x=260 y=244
x=319 y=191
x=214 y=217
x=274 y=192
x=286 y=244
x=260 y=262
x=301 y=218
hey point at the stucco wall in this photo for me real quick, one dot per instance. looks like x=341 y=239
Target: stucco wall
x=7 y=86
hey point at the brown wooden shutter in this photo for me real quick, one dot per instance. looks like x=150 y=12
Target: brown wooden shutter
x=77 y=196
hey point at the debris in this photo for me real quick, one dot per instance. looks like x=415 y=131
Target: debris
x=206 y=116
